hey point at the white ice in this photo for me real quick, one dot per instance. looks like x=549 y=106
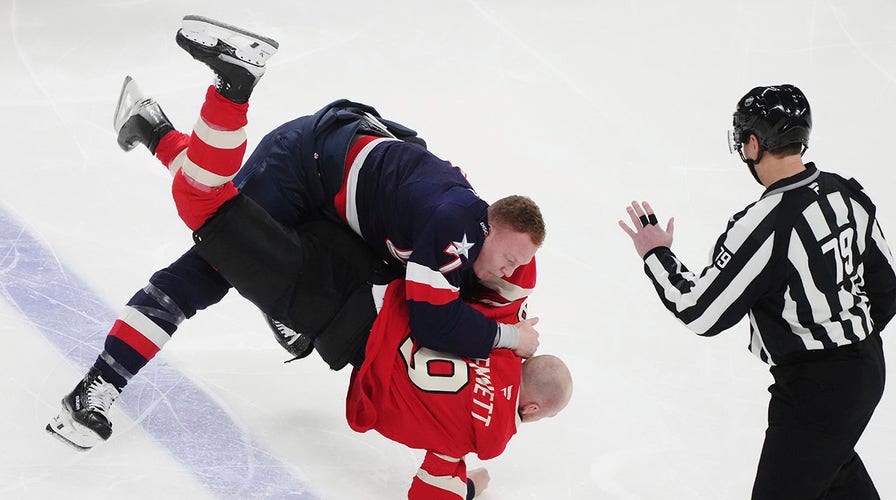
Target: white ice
x=583 y=105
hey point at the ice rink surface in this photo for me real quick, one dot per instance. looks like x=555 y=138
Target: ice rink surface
x=581 y=105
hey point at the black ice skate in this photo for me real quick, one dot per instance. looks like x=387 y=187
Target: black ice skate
x=235 y=55
x=294 y=342
x=138 y=119
x=83 y=421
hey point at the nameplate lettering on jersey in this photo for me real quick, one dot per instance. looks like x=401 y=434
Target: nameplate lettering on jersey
x=483 y=391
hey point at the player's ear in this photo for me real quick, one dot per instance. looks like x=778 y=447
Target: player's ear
x=529 y=411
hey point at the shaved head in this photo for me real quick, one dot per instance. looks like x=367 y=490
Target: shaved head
x=545 y=387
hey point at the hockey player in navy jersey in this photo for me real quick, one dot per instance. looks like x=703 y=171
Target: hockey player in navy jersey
x=809 y=265
x=344 y=163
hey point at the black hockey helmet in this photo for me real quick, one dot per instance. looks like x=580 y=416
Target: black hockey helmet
x=778 y=115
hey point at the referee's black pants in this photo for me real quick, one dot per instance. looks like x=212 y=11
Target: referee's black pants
x=819 y=408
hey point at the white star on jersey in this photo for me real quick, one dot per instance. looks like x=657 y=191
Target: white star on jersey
x=462 y=247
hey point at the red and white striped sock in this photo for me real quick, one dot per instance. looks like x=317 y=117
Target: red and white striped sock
x=204 y=170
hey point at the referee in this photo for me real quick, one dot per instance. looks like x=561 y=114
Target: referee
x=809 y=266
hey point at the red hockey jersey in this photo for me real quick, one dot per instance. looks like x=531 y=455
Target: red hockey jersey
x=446 y=405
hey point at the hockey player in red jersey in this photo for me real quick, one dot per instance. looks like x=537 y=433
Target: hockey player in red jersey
x=447 y=405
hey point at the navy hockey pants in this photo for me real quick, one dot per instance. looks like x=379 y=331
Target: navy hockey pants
x=818 y=410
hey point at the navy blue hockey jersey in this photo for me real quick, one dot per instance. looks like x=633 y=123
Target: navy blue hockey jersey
x=411 y=206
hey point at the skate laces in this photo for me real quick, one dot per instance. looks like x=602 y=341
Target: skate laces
x=101 y=395
x=290 y=334
x=221 y=85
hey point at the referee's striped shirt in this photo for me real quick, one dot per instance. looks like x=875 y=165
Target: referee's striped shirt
x=807 y=262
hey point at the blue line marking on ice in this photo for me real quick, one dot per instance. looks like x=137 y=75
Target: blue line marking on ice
x=178 y=414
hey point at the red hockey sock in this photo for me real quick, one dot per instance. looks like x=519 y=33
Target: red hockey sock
x=195 y=202
x=171 y=145
x=218 y=141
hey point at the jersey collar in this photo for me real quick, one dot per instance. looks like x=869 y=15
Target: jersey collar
x=799 y=180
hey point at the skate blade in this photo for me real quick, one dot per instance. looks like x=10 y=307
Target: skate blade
x=250 y=47
x=128 y=98
x=72 y=433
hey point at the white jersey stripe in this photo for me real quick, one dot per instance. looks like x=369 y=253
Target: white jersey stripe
x=720 y=303
x=351 y=184
x=734 y=239
x=506 y=289
x=839 y=207
x=402 y=255
x=671 y=293
x=734 y=290
x=833 y=322
x=447 y=458
x=878 y=236
x=818 y=303
x=817 y=222
x=422 y=274
x=789 y=315
x=848 y=301
x=837 y=333
x=743 y=228
x=451 y=266
x=757 y=346
x=862 y=218
x=450 y=484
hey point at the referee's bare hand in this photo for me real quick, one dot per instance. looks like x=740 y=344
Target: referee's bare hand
x=645 y=233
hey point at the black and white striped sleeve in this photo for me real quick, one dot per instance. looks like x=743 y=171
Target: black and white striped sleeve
x=880 y=279
x=740 y=271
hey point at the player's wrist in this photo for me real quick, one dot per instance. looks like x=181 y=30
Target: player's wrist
x=508 y=337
